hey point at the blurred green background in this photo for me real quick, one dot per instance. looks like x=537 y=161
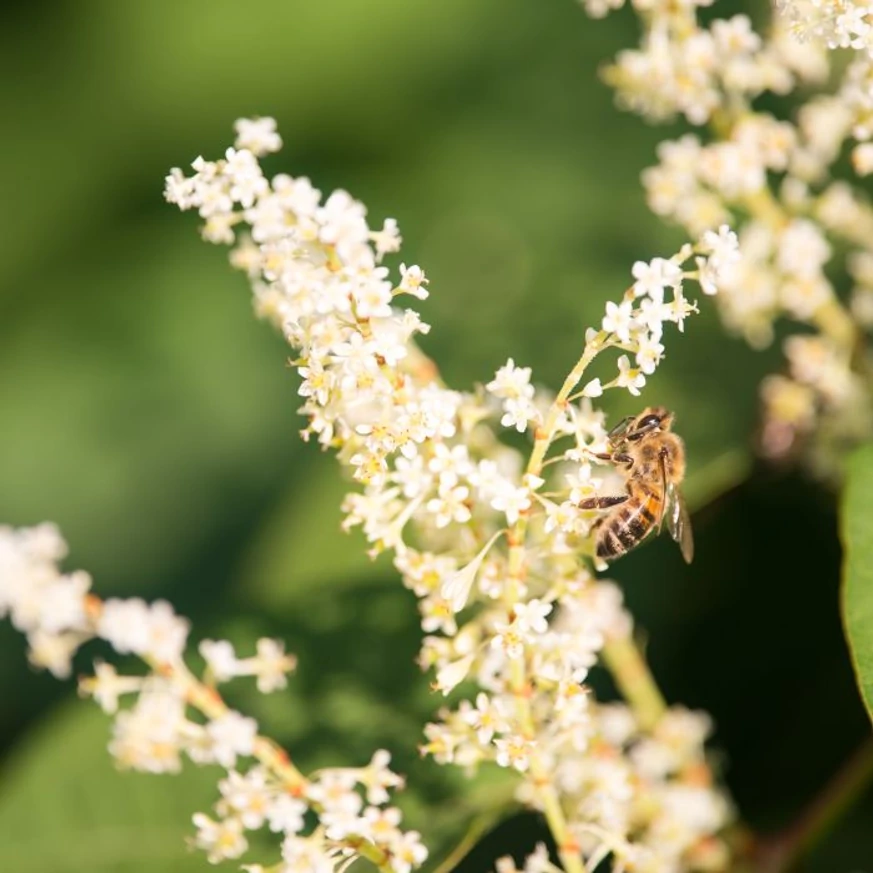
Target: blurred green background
x=147 y=412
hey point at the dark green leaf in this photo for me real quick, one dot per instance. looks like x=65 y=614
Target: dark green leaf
x=857 y=534
x=64 y=809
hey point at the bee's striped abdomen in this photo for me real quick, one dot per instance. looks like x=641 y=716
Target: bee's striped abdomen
x=628 y=524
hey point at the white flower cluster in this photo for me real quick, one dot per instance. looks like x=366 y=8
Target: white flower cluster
x=644 y=797
x=50 y=608
x=474 y=529
x=683 y=69
x=348 y=804
x=324 y=823
x=837 y=23
x=774 y=179
x=841 y=24
x=655 y=783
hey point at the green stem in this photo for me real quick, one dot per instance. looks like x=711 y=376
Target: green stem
x=625 y=661
x=477 y=829
x=568 y=849
x=546 y=433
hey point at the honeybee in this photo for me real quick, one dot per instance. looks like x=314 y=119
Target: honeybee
x=652 y=459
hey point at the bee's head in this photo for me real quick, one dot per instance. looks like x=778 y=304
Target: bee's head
x=650 y=420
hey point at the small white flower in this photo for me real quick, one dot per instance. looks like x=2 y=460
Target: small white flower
x=628 y=377
x=518 y=413
x=862 y=158
x=538 y=861
x=413 y=281
x=377 y=778
x=803 y=250
x=124 y=624
x=62 y=603
x=167 y=633
x=248 y=795
x=514 y=751
x=619 y=320
x=340 y=823
x=512 y=502
x=373 y=300
x=511 y=382
x=408 y=852
x=151 y=631
x=106 y=686
x=231 y=735
x=803 y=297
x=562 y=517
x=708 y=275
x=179 y=189
x=335 y=790
x=450 y=505
x=485 y=718
x=222 y=839
x=649 y=354
x=388 y=239
x=317 y=382
x=582 y=483
x=285 y=814
x=220 y=659
x=508 y=638
x=381 y=824
x=531 y=616
x=679 y=308
x=305 y=855
x=258 y=135
x=653 y=278
x=437 y=614
x=450 y=465
x=652 y=314
x=593 y=388
x=53 y=652
x=149 y=736
x=271 y=665
x=721 y=245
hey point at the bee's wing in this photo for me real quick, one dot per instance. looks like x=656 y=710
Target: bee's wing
x=679 y=522
x=662 y=460
x=617 y=433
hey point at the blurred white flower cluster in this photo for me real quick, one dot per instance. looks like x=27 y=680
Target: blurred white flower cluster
x=838 y=23
x=805 y=232
x=475 y=527
x=324 y=822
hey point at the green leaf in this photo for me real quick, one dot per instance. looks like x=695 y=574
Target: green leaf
x=65 y=809
x=857 y=595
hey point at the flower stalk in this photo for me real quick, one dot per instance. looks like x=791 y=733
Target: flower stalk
x=625 y=661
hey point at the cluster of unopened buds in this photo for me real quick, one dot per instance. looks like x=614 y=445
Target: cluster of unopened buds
x=497 y=545
x=777 y=180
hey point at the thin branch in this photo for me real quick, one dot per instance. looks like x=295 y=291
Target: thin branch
x=477 y=828
x=625 y=661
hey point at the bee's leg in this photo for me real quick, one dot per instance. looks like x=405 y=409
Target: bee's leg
x=615 y=458
x=602 y=502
